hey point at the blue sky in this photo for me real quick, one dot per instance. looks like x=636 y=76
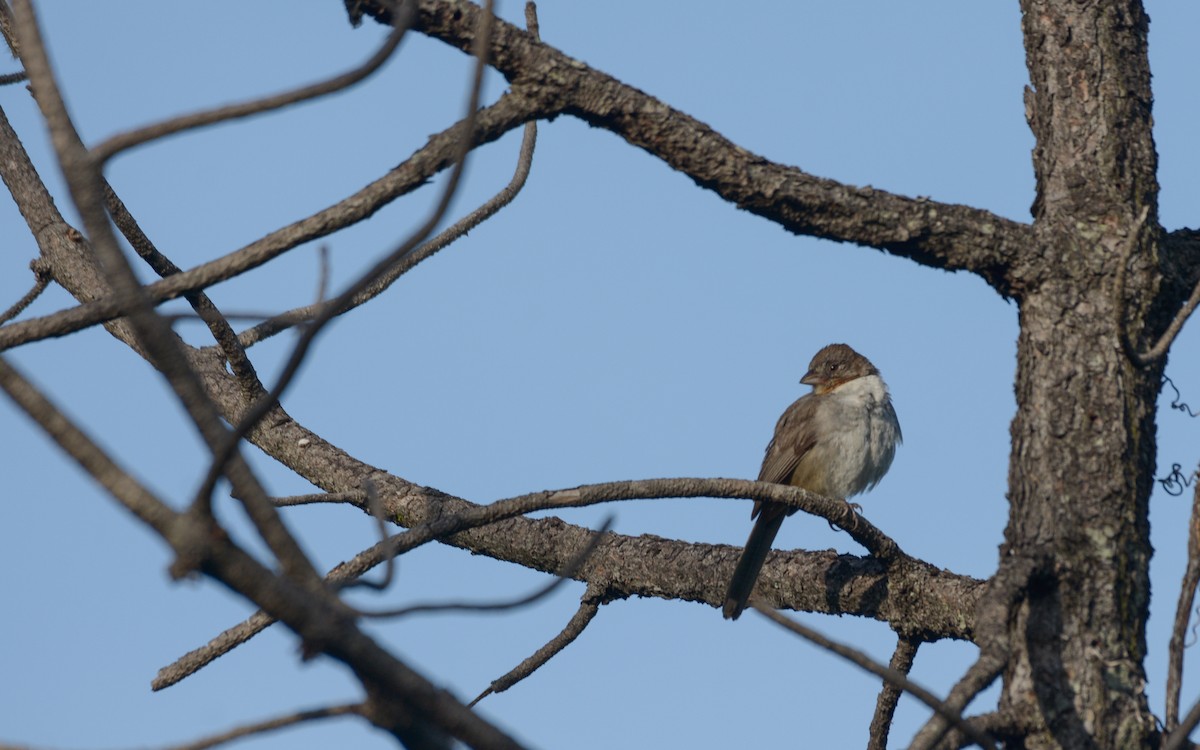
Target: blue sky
x=614 y=322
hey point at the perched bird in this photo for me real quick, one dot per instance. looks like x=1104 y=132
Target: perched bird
x=837 y=441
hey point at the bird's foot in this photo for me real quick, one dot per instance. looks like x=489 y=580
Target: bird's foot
x=849 y=519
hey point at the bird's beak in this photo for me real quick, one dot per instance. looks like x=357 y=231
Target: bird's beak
x=810 y=378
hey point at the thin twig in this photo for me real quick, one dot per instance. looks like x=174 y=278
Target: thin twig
x=269 y=400
x=1178 y=738
x=889 y=695
x=1005 y=591
x=864 y=532
x=567 y=573
x=162 y=347
x=282 y=322
x=376 y=509
x=206 y=310
x=1183 y=613
x=10 y=78
x=355 y=497
x=438 y=153
x=892 y=676
x=41 y=275
x=402 y=19
x=589 y=605
x=1156 y=352
x=829 y=509
x=271 y=725
x=310 y=617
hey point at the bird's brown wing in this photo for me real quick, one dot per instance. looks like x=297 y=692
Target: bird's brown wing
x=794 y=437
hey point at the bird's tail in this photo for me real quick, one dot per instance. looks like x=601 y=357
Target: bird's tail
x=762 y=536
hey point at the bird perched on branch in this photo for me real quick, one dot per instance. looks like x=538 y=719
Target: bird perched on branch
x=837 y=441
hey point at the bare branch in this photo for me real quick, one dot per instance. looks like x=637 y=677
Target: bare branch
x=475 y=516
x=282 y=322
x=109 y=148
x=439 y=153
x=1178 y=737
x=217 y=323
x=1164 y=342
x=85 y=451
x=566 y=574
x=1183 y=613
x=313 y=615
x=889 y=696
x=163 y=348
x=833 y=511
x=1004 y=591
x=589 y=605
x=196 y=659
x=353 y=497
x=271 y=725
x=940 y=235
x=268 y=401
x=41 y=275
x=376 y=510
x=892 y=676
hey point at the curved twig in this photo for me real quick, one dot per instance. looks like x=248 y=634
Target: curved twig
x=271 y=725
x=41 y=276
x=1156 y=352
x=566 y=574
x=862 y=531
x=1004 y=591
x=218 y=323
x=114 y=145
x=286 y=320
x=268 y=401
x=892 y=676
x=153 y=335
x=438 y=153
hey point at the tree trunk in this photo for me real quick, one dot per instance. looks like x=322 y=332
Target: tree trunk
x=1083 y=439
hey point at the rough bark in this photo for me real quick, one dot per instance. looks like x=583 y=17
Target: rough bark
x=1083 y=445
x=1096 y=280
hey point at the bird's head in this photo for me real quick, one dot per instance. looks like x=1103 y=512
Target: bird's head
x=834 y=366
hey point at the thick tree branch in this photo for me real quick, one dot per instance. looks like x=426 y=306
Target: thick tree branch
x=940 y=235
x=403 y=702
x=831 y=582
x=916 y=597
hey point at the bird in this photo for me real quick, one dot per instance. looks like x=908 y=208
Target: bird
x=839 y=440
